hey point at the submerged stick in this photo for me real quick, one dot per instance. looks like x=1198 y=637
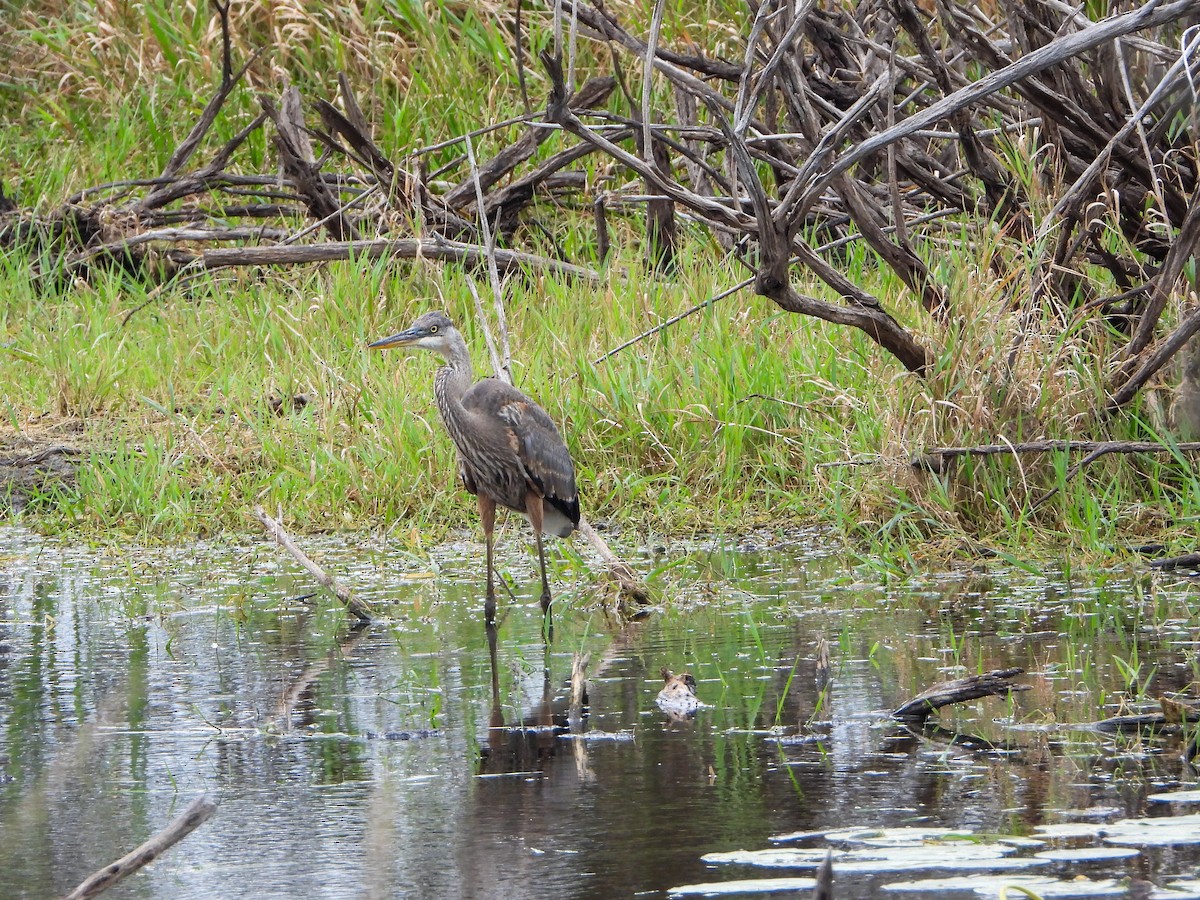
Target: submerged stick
x=823 y=890
x=579 y=695
x=277 y=533
x=196 y=814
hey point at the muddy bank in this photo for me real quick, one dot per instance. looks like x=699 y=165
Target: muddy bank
x=28 y=467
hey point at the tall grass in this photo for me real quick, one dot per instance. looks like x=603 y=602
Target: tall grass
x=740 y=416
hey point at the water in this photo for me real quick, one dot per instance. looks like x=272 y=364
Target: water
x=410 y=759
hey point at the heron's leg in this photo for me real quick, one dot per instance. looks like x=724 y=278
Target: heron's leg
x=533 y=508
x=487 y=515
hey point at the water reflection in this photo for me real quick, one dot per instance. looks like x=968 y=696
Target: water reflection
x=428 y=756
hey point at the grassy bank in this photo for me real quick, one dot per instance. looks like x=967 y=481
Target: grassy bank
x=738 y=417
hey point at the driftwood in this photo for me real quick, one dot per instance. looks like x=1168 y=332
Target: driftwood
x=1175 y=716
x=277 y=533
x=618 y=570
x=960 y=690
x=404 y=248
x=196 y=814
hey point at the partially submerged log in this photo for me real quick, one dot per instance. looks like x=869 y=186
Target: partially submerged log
x=997 y=683
x=1170 y=563
x=1174 y=717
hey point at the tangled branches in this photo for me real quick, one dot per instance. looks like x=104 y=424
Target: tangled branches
x=872 y=122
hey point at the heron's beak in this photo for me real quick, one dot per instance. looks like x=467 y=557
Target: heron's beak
x=403 y=339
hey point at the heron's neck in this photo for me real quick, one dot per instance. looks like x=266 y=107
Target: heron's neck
x=452 y=381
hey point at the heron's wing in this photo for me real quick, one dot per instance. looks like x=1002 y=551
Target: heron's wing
x=531 y=434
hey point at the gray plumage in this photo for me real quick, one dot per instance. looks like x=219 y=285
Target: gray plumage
x=509 y=451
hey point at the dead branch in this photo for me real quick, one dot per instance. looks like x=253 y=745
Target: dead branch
x=509 y=261
x=593 y=93
x=1175 y=716
x=300 y=165
x=835 y=126
x=937 y=460
x=277 y=533
x=960 y=690
x=193 y=816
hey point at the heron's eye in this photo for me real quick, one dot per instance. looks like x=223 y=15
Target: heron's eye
x=433 y=329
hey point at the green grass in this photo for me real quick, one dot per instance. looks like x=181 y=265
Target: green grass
x=739 y=417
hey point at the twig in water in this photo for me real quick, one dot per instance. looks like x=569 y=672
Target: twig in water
x=196 y=814
x=618 y=570
x=277 y=533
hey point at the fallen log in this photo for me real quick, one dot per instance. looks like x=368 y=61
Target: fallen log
x=405 y=248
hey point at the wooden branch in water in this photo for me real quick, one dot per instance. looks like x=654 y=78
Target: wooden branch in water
x=277 y=533
x=618 y=569
x=935 y=460
x=961 y=690
x=196 y=814
x=579 y=692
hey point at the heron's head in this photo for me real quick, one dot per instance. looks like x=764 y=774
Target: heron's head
x=431 y=331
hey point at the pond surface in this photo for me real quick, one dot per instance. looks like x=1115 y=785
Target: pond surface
x=409 y=758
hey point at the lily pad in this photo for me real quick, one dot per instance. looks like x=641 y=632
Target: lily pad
x=1162 y=832
x=1176 y=797
x=917 y=861
x=991 y=886
x=871 y=860
x=773 y=859
x=1088 y=854
x=1021 y=843
x=895 y=837
x=747 y=886
x=1063 y=830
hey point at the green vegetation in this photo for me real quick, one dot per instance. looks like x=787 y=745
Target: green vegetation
x=739 y=417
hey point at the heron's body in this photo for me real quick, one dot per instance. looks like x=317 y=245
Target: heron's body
x=509 y=451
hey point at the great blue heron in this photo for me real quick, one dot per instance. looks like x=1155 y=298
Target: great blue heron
x=509 y=451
